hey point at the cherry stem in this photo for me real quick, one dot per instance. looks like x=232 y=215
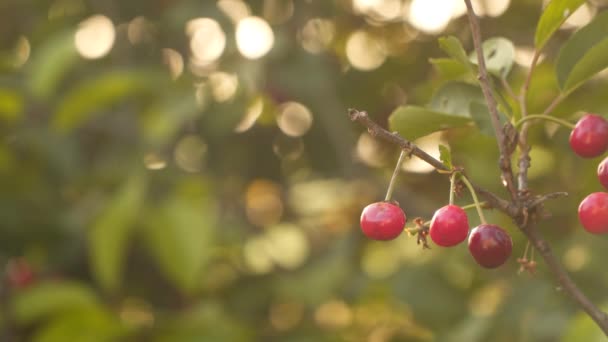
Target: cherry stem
x=544 y=117
x=391 y=185
x=475 y=199
x=452 y=185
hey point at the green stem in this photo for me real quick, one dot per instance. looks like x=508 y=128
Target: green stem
x=391 y=185
x=452 y=184
x=544 y=117
x=475 y=199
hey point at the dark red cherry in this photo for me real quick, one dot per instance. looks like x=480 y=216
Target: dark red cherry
x=602 y=173
x=593 y=213
x=449 y=226
x=490 y=245
x=382 y=221
x=589 y=138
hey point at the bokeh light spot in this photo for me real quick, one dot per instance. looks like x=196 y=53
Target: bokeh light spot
x=430 y=144
x=234 y=9
x=576 y=257
x=207 y=41
x=317 y=35
x=254 y=37
x=288 y=245
x=364 y=51
x=263 y=203
x=95 y=37
x=334 y=314
x=253 y=112
x=174 y=61
x=190 y=153
x=294 y=119
x=154 y=161
x=223 y=85
x=431 y=16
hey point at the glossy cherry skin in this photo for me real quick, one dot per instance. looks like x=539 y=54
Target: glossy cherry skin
x=593 y=213
x=602 y=173
x=382 y=221
x=490 y=245
x=449 y=226
x=589 y=138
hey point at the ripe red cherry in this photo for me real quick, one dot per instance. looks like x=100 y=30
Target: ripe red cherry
x=449 y=226
x=490 y=245
x=382 y=221
x=593 y=213
x=589 y=138
x=602 y=173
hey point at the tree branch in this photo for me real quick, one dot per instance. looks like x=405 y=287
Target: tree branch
x=522 y=202
x=505 y=155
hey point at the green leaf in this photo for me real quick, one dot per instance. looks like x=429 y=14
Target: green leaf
x=50 y=298
x=454 y=98
x=554 y=15
x=481 y=116
x=87 y=325
x=445 y=155
x=109 y=234
x=449 y=68
x=11 y=104
x=452 y=46
x=499 y=55
x=584 y=54
x=101 y=92
x=50 y=62
x=414 y=122
x=178 y=236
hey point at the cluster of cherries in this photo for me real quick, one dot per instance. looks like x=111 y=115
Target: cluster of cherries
x=589 y=139
x=489 y=244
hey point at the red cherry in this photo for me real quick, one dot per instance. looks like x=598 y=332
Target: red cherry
x=589 y=138
x=490 y=245
x=602 y=172
x=593 y=213
x=449 y=226
x=382 y=221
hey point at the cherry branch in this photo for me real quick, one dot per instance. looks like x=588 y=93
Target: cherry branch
x=505 y=158
x=529 y=208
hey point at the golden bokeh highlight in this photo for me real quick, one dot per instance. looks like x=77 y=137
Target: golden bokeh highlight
x=236 y=10
x=379 y=10
x=263 y=203
x=254 y=37
x=256 y=256
x=154 y=161
x=22 y=52
x=190 y=153
x=334 y=314
x=253 y=112
x=207 y=40
x=288 y=246
x=430 y=144
x=431 y=16
x=364 y=51
x=223 y=86
x=317 y=35
x=370 y=151
x=139 y=30
x=174 y=61
x=278 y=11
x=95 y=37
x=294 y=119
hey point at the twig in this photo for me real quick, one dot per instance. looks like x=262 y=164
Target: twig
x=521 y=218
x=505 y=159
x=524 y=158
x=556 y=101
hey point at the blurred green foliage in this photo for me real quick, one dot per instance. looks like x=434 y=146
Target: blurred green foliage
x=158 y=190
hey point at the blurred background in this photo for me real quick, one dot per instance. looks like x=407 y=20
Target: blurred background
x=185 y=170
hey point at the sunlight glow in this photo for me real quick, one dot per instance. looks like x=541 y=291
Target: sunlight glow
x=431 y=16
x=95 y=37
x=254 y=37
x=381 y=10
